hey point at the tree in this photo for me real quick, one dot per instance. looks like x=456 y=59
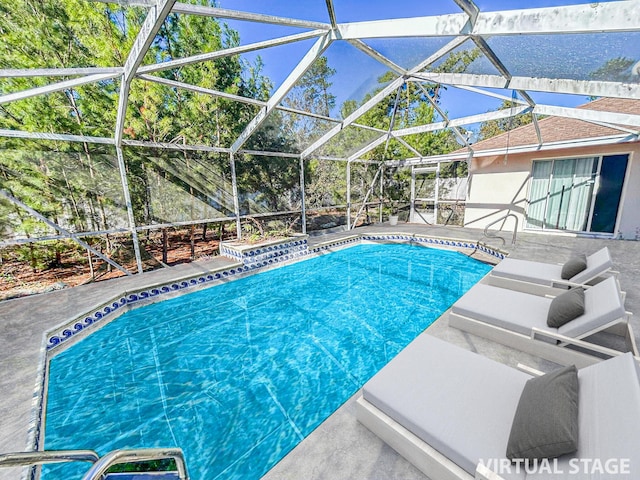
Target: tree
x=324 y=180
x=619 y=69
x=77 y=184
x=491 y=128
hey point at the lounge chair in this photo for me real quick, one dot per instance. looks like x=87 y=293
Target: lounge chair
x=519 y=320
x=449 y=412
x=545 y=278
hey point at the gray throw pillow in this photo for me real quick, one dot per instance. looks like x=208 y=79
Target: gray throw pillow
x=546 y=420
x=574 y=266
x=565 y=307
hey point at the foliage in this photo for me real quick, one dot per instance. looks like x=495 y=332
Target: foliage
x=397 y=182
x=619 y=69
x=163 y=465
x=491 y=128
x=77 y=185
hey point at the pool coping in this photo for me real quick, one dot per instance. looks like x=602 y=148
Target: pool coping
x=68 y=333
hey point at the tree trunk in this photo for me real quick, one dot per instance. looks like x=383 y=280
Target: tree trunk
x=164 y=246
x=193 y=241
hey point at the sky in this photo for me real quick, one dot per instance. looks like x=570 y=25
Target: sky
x=356 y=72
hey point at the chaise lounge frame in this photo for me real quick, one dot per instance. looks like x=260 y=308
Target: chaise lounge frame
x=553 y=346
x=416 y=451
x=560 y=353
x=601 y=266
x=439 y=466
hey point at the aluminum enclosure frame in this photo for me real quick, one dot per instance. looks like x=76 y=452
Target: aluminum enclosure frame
x=470 y=24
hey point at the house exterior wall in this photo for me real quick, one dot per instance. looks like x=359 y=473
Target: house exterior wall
x=498 y=185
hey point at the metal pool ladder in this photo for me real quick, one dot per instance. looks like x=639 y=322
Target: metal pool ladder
x=488 y=234
x=102 y=464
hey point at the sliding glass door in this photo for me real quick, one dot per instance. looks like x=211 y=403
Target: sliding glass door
x=563 y=195
x=607 y=203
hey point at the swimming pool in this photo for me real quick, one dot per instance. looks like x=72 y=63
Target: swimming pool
x=238 y=374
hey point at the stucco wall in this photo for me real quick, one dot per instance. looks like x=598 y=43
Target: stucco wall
x=498 y=185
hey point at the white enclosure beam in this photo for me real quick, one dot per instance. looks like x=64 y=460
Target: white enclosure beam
x=66 y=233
x=431 y=127
x=369 y=146
x=230 y=96
x=311 y=56
x=205 y=11
x=55 y=87
x=332 y=13
x=130 y=3
x=348 y=173
x=534 y=118
x=268 y=154
x=444 y=115
x=552 y=85
x=152 y=23
x=491 y=94
x=57 y=72
x=587 y=115
x=25 y=241
x=450 y=46
x=227 y=52
x=483 y=117
x=197 y=89
x=303 y=206
x=408 y=147
x=366 y=197
x=363 y=47
x=373 y=101
x=442 y=25
x=592 y=17
x=470 y=8
x=462 y=155
x=493 y=58
x=456 y=122
x=381 y=95
x=175 y=146
x=127 y=200
x=55 y=137
x=236 y=202
x=589 y=17
x=527 y=98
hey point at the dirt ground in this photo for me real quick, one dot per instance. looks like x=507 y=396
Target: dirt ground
x=18 y=278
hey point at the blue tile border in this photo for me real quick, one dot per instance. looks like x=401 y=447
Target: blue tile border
x=252 y=259
x=261 y=256
x=443 y=242
x=60 y=336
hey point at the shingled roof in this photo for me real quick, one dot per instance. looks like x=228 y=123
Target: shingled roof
x=562 y=129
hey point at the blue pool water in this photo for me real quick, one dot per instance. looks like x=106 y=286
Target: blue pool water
x=238 y=374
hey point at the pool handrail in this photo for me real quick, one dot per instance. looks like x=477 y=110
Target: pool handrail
x=100 y=464
x=137 y=455
x=25 y=459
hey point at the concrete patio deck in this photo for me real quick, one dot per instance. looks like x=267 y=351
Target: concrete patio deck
x=340 y=448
